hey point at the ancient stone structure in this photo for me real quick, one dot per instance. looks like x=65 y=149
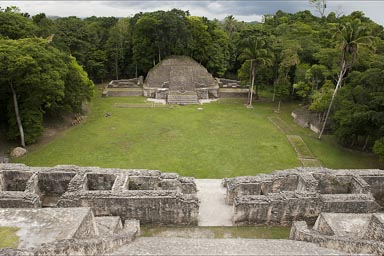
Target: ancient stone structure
x=308 y=119
x=180 y=80
x=52 y=231
x=177 y=80
x=302 y=194
x=124 y=87
x=149 y=196
x=351 y=233
x=92 y=211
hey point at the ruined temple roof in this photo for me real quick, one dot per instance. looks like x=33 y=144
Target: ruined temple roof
x=179 y=73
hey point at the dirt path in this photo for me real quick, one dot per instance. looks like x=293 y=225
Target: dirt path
x=213 y=209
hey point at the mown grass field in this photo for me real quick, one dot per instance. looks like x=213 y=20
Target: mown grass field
x=223 y=139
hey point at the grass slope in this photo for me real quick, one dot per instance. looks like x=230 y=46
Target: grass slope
x=224 y=139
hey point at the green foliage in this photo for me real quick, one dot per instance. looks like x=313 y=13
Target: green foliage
x=42 y=78
x=360 y=113
x=157 y=35
x=282 y=87
x=302 y=89
x=378 y=148
x=321 y=98
x=14 y=25
x=288 y=48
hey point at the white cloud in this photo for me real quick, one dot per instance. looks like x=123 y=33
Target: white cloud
x=242 y=10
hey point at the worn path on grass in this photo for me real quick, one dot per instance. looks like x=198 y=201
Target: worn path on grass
x=304 y=154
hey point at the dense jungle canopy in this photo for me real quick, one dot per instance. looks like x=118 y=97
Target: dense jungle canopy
x=48 y=65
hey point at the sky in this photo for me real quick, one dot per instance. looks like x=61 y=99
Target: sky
x=249 y=10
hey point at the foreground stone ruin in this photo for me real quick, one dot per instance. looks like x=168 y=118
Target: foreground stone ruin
x=351 y=233
x=70 y=231
x=149 y=196
x=75 y=210
x=302 y=194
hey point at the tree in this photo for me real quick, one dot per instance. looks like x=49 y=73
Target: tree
x=118 y=45
x=257 y=53
x=35 y=78
x=352 y=36
x=320 y=6
x=14 y=25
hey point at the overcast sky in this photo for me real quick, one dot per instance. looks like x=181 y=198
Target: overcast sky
x=250 y=10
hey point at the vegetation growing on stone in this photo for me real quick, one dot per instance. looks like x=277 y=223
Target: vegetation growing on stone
x=8 y=237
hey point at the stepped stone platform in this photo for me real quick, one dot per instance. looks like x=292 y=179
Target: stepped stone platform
x=183 y=246
x=70 y=231
x=352 y=233
x=182 y=98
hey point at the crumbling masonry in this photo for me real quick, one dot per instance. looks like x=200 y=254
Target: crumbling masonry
x=149 y=196
x=302 y=194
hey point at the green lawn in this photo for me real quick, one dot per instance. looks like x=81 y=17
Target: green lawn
x=218 y=232
x=224 y=139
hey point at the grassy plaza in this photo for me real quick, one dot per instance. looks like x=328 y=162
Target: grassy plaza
x=216 y=140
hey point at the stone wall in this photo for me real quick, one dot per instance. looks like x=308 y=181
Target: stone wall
x=126 y=83
x=149 y=196
x=302 y=194
x=307 y=119
x=351 y=233
x=229 y=83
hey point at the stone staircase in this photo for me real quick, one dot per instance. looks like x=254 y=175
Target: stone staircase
x=182 y=98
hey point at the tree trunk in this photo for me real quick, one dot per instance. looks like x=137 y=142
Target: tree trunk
x=117 y=61
x=18 y=119
x=338 y=85
x=366 y=143
x=252 y=83
x=274 y=91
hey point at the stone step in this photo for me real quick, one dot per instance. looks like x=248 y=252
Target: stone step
x=108 y=225
x=188 y=246
x=188 y=97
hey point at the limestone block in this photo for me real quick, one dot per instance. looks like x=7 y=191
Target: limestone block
x=18 y=152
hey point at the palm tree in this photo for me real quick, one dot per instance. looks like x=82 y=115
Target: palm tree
x=256 y=52
x=352 y=36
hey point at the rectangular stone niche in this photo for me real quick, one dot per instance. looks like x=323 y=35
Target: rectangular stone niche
x=143 y=183
x=376 y=183
x=332 y=184
x=14 y=180
x=98 y=181
x=52 y=186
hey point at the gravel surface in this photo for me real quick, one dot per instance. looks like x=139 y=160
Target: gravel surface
x=213 y=210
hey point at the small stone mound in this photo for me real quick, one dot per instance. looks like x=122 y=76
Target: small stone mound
x=18 y=152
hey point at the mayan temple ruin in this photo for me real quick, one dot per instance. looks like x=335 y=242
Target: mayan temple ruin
x=89 y=210
x=177 y=80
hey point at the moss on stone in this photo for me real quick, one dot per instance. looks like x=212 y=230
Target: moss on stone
x=8 y=237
